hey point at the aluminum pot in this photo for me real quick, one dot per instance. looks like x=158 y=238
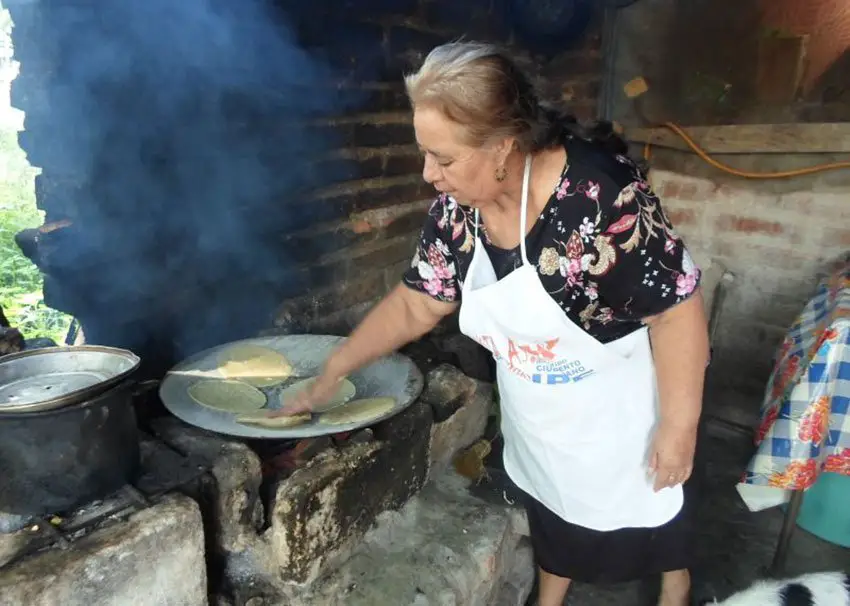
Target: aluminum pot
x=79 y=445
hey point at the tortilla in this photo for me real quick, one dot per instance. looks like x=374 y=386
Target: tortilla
x=226 y=395
x=255 y=365
x=343 y=394
x=358 y=411
x=274 y=422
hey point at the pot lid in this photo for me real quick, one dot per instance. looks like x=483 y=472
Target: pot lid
x=31 y=390
x=53 y=377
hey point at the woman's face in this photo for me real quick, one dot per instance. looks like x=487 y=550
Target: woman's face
x=453 y=167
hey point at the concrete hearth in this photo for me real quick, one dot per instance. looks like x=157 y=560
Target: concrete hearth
x=298 y=537
x=154 y=558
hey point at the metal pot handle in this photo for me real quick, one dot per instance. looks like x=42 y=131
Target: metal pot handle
x=145 y=386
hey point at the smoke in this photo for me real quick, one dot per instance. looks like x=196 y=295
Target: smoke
x=184 y=125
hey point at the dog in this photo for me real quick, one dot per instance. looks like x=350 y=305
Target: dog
x=815 y=589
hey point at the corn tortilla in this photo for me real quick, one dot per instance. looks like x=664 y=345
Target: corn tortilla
x=227 y=395
x=357 y=411
x=344 y=393
x=261 y=420
x=255 y=365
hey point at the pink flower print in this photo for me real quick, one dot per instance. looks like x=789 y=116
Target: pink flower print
x=591 y=291
x=669 y=246
x=434 y=287
x=449 y=293
x=561 y=192
x=571 y=270
x=685 y=284
x=438 y=262
x=592 y=191
x=445 y=272
x=606 y=314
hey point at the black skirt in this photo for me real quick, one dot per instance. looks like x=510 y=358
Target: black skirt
x=592 y=556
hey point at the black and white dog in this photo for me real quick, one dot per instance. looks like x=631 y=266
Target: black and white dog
x=816 y=589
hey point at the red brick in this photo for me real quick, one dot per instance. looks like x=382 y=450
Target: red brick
x=410 y=222
x=749 y=255
x=749 y=225
x=689 y=191
x=361 y=288
x=393 y=252
x=684 y=216
x=671 y=189
x=389 y=196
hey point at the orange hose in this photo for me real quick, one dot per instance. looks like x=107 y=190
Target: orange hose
x=742 y=173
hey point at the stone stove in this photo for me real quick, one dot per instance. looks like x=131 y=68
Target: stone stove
x=212 y=520
x=96 y=553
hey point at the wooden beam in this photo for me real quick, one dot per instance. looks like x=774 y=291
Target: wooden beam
x=814 y=138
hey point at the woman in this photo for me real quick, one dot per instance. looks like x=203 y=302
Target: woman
x=564 y=266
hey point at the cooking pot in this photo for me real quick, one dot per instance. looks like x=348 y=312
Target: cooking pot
x=68 y=431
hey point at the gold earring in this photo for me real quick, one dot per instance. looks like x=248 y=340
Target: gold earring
x=501 y=173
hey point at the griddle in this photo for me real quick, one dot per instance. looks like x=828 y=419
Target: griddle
x=393 y=376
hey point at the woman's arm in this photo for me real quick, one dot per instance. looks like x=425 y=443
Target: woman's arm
x=402 y=316
x=680 y=351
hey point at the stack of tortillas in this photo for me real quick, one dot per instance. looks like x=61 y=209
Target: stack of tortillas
x=255 y=365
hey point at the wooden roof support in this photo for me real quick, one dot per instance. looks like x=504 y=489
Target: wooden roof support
x=813 y=138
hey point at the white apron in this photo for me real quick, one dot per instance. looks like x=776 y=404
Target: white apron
x=577 y=416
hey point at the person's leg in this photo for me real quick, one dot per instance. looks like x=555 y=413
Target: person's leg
x=675 y=588
x=553 y=589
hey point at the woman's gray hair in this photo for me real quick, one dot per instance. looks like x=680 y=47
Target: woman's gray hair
x=481 y=88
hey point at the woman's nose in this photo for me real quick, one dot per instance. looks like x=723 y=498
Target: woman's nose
x=429 y=170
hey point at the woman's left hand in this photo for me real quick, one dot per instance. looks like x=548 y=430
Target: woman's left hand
x=671 y=456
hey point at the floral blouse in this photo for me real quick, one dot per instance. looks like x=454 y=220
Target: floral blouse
x=602 y=246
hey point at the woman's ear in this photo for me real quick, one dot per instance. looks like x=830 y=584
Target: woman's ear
x=503 y=149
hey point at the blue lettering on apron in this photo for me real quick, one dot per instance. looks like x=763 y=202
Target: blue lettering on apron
x=551 y=378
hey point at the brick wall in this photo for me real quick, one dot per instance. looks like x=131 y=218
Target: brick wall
x=387 y=201
x=303 y=259
x=776 y=237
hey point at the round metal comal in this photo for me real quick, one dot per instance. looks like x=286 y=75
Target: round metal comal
x=393 y=376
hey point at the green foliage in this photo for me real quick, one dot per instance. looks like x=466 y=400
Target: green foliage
x=20 y=281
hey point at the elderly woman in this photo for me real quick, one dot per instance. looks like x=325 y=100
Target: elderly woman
x=564 y=266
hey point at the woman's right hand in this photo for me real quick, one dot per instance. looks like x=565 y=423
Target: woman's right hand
x=319 y=392
x=401 y=317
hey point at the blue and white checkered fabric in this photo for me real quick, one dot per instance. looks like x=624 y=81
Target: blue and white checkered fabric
x=805 y=426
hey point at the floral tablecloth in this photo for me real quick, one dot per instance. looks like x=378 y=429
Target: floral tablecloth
x=805 y=422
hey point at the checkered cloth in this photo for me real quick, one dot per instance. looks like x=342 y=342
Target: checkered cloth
x=805 y=422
